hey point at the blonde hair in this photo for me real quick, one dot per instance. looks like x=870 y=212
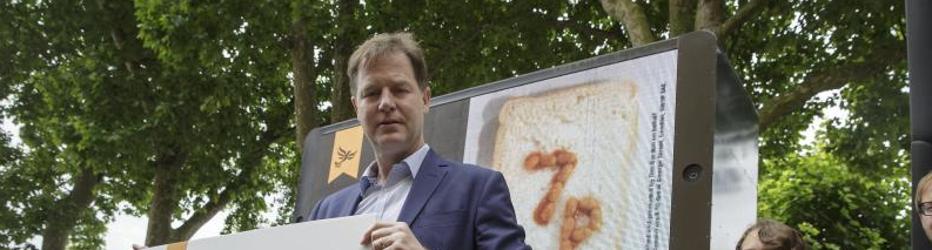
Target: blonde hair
x=920 y=187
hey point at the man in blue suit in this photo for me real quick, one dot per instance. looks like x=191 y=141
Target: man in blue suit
x=422 y=201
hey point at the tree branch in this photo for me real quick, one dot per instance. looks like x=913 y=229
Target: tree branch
x=745 y=13
x=251 y=162
x=207 y=212
x=829 y=78
x=124 y=38
x=632 y=17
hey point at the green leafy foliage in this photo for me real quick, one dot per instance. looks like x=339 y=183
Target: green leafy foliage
x=833 y=206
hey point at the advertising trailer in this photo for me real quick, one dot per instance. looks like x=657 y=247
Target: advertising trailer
x=653 y=147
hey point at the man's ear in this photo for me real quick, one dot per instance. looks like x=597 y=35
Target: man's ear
x=355 y=106
x=426 y=96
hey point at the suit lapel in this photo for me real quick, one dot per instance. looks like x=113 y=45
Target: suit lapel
x=428 y=178
x=349 y=205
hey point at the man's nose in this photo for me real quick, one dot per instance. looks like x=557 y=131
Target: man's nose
x=386 y=101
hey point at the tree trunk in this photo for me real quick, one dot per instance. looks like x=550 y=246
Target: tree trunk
x=346 y=39
x=165 y=198
x=632 y=17
x=342 y=108
x=709 y=15
x=305 y=94
x=64 y=216
x=682 y=13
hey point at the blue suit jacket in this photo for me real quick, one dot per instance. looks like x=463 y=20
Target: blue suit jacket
x=450 y=206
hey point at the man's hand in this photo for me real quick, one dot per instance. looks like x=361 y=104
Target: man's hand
x=390 y=235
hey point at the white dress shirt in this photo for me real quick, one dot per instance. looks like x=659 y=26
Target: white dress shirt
x=385 y=200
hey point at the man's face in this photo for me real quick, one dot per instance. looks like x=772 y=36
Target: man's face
x=390 y=105
x=926 y=220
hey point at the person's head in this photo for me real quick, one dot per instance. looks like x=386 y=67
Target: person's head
x=771 y=235
x=383 y=44
x=924 y=203
x=388 y=78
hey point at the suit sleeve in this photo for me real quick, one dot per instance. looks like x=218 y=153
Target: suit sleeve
x=496 y=224
x=315 y=212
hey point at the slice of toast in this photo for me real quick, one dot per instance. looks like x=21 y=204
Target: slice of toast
x=596 y=122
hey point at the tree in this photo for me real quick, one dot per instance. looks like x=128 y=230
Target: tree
x=114 y=115
x=236 y=59
x=54 y=184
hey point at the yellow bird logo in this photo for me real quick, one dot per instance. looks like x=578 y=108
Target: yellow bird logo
x=343 y=156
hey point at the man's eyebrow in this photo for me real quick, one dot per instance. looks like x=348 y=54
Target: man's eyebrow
x=398 y=82
x=367 y=88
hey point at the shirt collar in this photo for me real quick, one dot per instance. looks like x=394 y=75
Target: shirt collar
x=416 y=159
x=413 y=162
